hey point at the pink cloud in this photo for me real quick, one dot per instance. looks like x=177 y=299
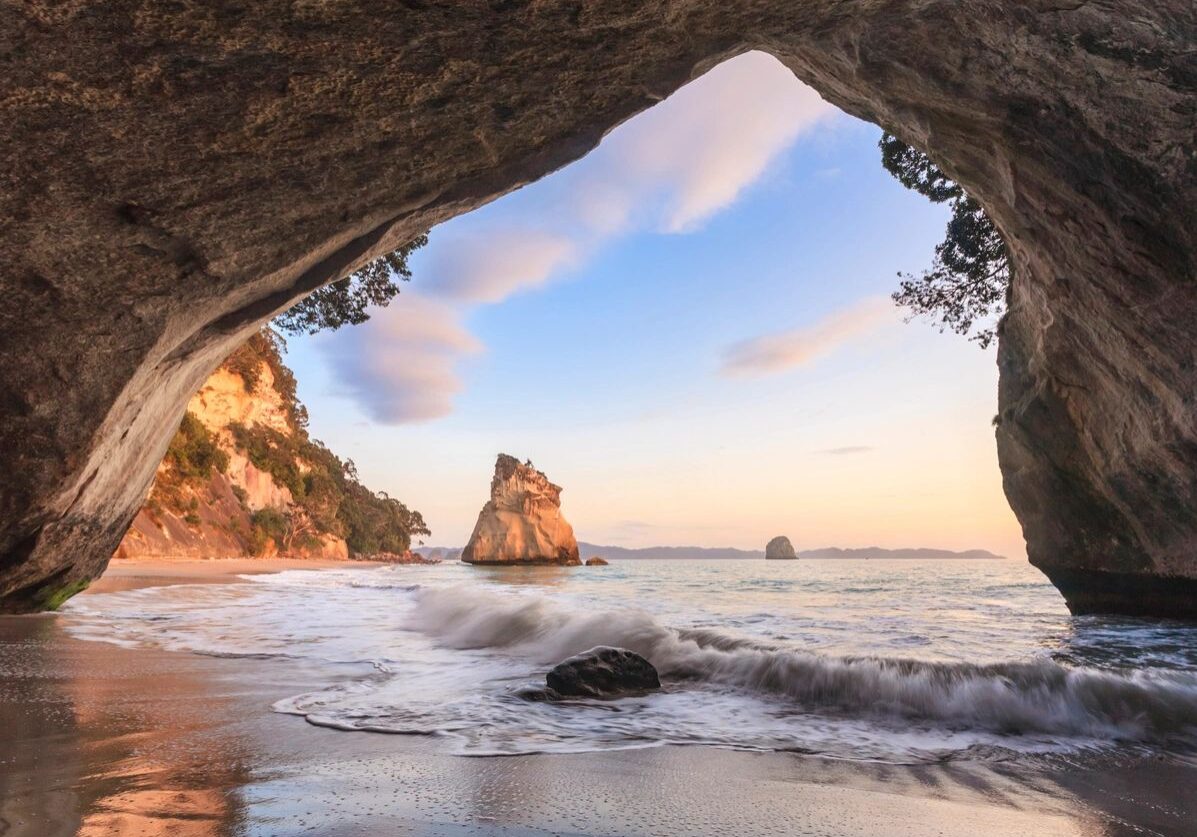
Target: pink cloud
x=709 y=141
x=669 y=169
x=487 y=266
x=400 y=366
x=772 y=353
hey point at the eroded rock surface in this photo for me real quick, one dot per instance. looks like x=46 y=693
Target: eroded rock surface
x=603 y=672
x=780 y=548
x=521 y=523
x=175 y=174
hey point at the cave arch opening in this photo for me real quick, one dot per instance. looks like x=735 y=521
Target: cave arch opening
x=734 y=245
x=1070 y=125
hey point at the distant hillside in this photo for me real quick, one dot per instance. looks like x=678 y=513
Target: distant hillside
x=699 y=552
x=682 y=553
x=914 y=553
x=668 y=552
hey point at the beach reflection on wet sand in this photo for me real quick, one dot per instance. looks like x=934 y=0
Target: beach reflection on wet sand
x=102 y=740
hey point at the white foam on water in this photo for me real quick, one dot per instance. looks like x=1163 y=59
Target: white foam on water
x=837 y=660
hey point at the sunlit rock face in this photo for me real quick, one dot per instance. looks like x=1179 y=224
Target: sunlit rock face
x=175 y=174
x=217 y=522
x=521 y=523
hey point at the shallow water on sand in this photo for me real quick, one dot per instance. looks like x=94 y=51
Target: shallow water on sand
x=902 y=661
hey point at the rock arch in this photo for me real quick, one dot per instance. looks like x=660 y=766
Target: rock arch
x=175 y=174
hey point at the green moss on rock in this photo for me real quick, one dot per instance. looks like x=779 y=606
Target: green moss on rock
x=56 y=598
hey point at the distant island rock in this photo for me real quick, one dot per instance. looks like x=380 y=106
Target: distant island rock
x=521 y=523
x=729 y=553
x=596 y=561
x=780 y=549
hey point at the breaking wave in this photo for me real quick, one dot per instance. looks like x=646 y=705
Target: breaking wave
x=1040 y=696
x=752 y=657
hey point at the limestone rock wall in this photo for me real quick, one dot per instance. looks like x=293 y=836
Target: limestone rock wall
x=175 y=174
x=213 y=519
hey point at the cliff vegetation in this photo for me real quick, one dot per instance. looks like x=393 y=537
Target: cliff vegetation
x=242 y=476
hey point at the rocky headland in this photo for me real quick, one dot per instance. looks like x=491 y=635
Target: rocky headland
x=241 y=478
x=521 y=523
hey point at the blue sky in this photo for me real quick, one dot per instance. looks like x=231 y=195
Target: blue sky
x=689 y=330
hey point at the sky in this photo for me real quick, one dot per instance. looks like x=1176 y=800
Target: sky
x=690 y=330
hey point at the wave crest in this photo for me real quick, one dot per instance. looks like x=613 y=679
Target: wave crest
x=1040 y=696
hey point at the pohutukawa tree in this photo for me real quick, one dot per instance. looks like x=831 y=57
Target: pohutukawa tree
x=347 y=301
x=965 y=288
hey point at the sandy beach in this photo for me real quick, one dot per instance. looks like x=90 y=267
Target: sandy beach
x=136 y=574
x=98 y=739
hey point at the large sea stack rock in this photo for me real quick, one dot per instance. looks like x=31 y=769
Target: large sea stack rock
x=521 y=523
x=177 y=174
x=780 y=548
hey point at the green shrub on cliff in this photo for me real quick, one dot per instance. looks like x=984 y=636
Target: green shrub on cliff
x=266 y=348
x=377 y=523
x=325 y=489
x=193 y=453
x=191 y=458
x=265 y=525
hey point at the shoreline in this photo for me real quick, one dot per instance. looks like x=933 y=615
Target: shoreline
x=101 y=739
x=139 y=573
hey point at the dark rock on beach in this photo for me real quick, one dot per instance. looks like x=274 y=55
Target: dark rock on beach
x=603 y=672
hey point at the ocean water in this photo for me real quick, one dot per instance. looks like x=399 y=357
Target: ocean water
x=894 y=661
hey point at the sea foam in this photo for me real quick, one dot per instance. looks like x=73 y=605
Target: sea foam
x=1040 y=696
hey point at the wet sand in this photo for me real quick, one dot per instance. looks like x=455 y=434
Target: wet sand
x=97 y=739
x=139 y=573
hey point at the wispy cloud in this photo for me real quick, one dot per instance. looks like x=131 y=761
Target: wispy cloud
x=771 y=353
x=713 y=138
x=490 y=265
x=400 y=367
x=669 y=170
x=847 y=450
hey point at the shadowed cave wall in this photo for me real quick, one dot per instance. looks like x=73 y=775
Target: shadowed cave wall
x=175 y=174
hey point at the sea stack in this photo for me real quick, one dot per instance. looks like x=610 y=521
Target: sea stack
x=522 y=522
x=780 y=548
